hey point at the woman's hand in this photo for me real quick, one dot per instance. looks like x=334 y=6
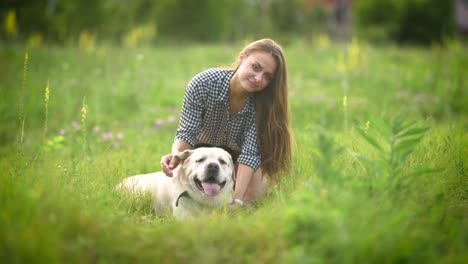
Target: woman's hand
x=236 y=203
x=168 y=163
x=234 y=206
x=171 y=161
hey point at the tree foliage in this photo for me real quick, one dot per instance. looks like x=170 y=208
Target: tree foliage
x=196 y=20
x=415 y=21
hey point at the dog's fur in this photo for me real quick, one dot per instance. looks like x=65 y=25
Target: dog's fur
x=202 y=181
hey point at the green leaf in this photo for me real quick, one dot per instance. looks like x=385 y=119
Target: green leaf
x=370 y=139
x=405 y=148
x=382 y=127
x=412 y=132
x=424 y=170
x=407 y=143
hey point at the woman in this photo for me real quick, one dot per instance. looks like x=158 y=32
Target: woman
x=244 y=110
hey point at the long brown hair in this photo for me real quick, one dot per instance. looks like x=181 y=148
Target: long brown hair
x=274 y=133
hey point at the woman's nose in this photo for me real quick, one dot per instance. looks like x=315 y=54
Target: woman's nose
x=258 y=77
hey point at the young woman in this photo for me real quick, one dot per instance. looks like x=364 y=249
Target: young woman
x=243 y=110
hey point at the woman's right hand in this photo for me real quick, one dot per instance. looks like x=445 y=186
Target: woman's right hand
x=168 y=163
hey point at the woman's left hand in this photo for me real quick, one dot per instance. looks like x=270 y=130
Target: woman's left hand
x=234 y=206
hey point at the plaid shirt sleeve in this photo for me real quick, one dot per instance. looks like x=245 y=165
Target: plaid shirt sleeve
x=192 y=111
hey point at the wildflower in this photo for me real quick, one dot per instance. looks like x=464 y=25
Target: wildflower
x=84 y=111
x=107 y=136
x=322 y=41
x=139 y=35
x=46 y=96
x=35 y=40
x=345 y=101
x=120 y=136
x=171 y=119
x=366 y=128
x=10 y=24
x=46 y=112
x=76 y=126
x=25 y=67
x=158 y=122
x=87 y=41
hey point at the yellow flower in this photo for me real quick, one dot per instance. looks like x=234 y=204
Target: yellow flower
x=84 y=111
x=345 y=101
x=10 y=24
x=322 y=41
x=47 y=92
x=87 y=41
x=35 y=40
x=139 y=35
x=367 y=126
x=26 y=58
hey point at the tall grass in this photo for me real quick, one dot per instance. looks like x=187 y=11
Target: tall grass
x=21 y=110
x=379 y=173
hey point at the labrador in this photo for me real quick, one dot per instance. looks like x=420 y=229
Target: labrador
x=202 y=181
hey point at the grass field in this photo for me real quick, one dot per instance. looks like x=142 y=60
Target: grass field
x=379 y=172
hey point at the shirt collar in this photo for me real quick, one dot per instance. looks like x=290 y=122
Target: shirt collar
x=224 y=95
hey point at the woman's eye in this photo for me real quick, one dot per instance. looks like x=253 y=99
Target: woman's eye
x=255 y=67
x=268 y=77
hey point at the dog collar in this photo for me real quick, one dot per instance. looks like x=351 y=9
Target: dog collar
x=183 y=194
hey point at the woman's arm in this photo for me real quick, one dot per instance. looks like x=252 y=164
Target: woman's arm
x=243 y=179
x=180 y=145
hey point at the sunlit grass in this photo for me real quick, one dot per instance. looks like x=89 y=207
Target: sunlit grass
x=358 y=192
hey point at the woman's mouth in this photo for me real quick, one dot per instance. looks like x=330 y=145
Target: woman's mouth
x=253 y=84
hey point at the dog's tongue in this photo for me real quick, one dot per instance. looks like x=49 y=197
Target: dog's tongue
x=211 y=189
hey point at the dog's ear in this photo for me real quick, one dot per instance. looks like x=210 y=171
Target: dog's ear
x=182 y=156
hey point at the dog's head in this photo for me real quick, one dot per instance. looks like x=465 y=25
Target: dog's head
x=206 y=171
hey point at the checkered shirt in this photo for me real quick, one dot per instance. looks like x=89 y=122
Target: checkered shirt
x=205 y=117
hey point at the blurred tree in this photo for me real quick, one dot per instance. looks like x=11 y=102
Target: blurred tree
x=416 y=21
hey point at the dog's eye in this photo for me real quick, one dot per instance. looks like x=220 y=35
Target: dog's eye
x=200 y=160
x=222 y=161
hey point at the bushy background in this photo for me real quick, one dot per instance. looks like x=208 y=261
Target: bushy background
x=147 y=21
x=414 y=21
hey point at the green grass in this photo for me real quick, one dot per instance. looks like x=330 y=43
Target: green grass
x=382 y=179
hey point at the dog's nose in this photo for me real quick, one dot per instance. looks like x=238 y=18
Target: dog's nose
x=213 y=166
x=212 y=171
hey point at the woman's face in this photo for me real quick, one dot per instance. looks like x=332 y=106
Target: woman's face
x=256 y=70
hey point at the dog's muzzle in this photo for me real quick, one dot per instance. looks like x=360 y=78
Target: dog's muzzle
x=210 y=184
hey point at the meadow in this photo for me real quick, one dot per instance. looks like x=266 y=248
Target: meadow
x=379 y=169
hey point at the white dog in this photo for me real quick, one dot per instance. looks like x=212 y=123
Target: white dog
x=202 y=181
